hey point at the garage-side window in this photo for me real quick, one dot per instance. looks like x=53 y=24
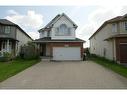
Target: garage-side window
x=125 y=26
x=7 y=29
x=114 y=27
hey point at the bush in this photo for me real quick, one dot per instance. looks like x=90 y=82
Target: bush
x=29 y=51
x=6 y=57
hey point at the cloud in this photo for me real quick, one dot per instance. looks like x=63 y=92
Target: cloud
x=12 y=12
x=34 y=35
x=30 y=22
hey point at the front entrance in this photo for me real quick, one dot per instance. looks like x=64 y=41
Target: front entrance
x=123 y=53
x=42 y=49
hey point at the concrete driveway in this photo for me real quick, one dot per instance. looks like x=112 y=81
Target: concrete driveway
x=65 y=75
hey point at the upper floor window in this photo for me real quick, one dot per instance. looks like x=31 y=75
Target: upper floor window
x=7 y=29
x=125 y=25
x=48 y=33
x=114 y=27
x=42 y=33
x=63 y=30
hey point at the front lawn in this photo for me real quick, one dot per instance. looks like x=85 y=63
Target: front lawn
x=8 y=69
x=120 y=69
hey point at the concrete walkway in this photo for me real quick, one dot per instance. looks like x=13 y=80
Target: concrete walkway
x=65 y=75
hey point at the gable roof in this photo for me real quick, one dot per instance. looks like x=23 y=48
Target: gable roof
x=113 y=20
x=48 y=39
x=7 y=22
x=55 y=19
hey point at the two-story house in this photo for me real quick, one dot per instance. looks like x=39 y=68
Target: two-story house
x=11 y=37
x=58 y=41
x=110 y=40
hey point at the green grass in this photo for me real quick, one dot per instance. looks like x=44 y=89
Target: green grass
x=8 y=69
x=120 y=69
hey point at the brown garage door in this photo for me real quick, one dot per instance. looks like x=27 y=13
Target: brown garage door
x=123 y=53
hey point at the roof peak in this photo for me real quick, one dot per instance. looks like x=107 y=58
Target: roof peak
x=55 y=19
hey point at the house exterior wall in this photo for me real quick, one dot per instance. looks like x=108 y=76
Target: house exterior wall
x=97 y=43
x=63 y=20
x=100 y=47
x=22 y=38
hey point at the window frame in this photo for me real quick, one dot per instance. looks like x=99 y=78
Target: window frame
x=8 y=28
x=125 y=26
x=114 y=27
x=63 y=32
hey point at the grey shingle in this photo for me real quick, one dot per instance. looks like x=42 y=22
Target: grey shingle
x=6 y=22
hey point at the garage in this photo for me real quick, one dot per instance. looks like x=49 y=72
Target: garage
x=66 y=53
x=123 y=52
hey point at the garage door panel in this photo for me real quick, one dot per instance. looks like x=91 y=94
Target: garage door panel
x=66 y=53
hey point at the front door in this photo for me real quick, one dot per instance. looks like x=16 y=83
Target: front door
x=42 y=49
x=123 y=53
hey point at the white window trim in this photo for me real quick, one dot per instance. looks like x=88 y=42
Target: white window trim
x=114 y=27
x=9 y=29
x=59 y=33
x=125 y=26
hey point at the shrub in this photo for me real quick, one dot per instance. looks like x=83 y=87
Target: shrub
x=29 y=51
x=6 y=57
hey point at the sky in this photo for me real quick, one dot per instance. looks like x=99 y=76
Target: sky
x=88 y=18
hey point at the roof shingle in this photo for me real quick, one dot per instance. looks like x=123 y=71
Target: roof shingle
x=113 y=20
x=48 y=39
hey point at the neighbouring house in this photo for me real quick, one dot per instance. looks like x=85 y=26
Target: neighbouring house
x=110 y=40
x=58 y=41
x=11 y=37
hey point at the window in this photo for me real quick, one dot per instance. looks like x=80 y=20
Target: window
x=63 y=30
x=126 y=26
x=114 y=27
x=69 y=31
x=7 y=29
x=48 y=33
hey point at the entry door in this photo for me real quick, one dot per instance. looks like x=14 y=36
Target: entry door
x=66 y=53
x=123 y=53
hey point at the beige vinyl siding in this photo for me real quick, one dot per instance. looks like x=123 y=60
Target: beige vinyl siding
x=22 y=38
x=63 y=20
x=98 y=45
x=122 y=28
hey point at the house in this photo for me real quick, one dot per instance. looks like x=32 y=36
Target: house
x=11 y=37
x=58 y=41
x=110 y=40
